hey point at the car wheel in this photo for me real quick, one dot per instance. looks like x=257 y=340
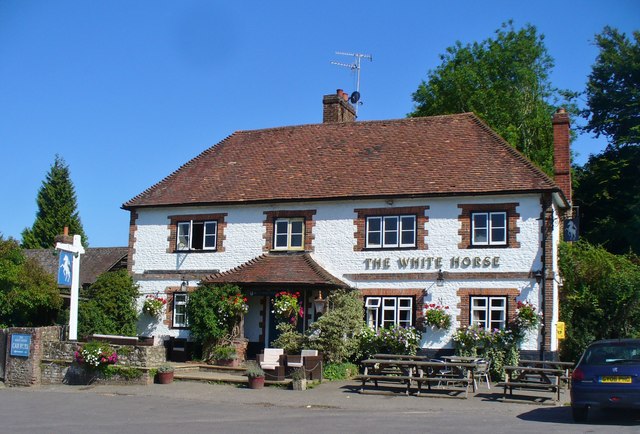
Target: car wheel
x=580 y=413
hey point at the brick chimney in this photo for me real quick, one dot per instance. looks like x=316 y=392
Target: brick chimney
x=562 y=152
x=336 y=108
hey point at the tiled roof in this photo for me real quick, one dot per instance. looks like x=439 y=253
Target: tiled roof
x=427 y=156
x=94 y=262
x=278 y=268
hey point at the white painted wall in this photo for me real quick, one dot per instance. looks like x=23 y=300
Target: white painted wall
x=334 y=242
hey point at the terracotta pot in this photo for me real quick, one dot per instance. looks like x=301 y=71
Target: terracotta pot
x=256 y=382
x=165 y=377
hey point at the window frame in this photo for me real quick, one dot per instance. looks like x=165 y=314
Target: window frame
x=399 y=230
x=488 y=308
x=489 y=228
x=290 y=221
x=376 y=306
x=174 y=311
x=190 y=235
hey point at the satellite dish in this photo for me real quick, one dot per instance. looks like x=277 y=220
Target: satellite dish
x=355 y=97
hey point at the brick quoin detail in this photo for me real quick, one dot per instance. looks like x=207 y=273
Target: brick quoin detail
x=173 y=229
x=133 y=227
x=465 y=294
x=361 y=224
x=416 y=293
x=465 y=223
x=309 y=223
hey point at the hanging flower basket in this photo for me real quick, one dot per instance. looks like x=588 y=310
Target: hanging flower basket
x=153 y=305
x=287 y=307
x=526 y=316
x=437 y=316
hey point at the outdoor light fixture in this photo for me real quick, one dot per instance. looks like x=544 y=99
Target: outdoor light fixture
x=319 y=304
x=440 y=279
x=538 y=276
x=184 y=285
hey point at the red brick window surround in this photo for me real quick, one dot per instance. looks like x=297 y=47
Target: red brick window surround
x=465 y=295
x=272 y=216
x=219 y=236
x=361 y=225
x=465 y=216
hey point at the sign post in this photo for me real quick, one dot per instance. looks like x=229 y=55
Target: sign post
x=69 y=274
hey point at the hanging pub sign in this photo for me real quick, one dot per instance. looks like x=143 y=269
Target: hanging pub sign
x=571 y=229
x=20 y=345
x=64 y=268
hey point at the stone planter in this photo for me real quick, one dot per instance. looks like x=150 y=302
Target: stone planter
x=256 y=382
x=232 y=363
x=165 y=377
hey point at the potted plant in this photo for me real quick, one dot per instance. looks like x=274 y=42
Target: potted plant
x=225 y=355
x=255 y=374
x=153 y=305
x=299 y=379
x=165 y=373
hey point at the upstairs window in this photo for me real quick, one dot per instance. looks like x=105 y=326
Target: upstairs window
x=288 y=234
x=196 y=235
x=489 y=228
x=388 y=232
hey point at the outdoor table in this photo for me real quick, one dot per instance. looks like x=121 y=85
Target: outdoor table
x=464 y=359
x=398 y=356
x=532 y=377
x=460 y=372
x=388 y=369
x=553 y=364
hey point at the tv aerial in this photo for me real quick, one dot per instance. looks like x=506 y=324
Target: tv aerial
x=355 y=66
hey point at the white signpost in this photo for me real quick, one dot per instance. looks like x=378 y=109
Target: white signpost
x=69 y=274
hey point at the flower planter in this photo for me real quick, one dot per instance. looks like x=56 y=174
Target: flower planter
x=256 y=382
x=233 y=363
x=165 y=377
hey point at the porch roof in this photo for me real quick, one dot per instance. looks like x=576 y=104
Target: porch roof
x=280 y=269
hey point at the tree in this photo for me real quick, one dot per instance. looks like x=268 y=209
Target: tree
x=110 y=306
x=613 y=89
x=608 y=194
x=57 y=208
x=505 y=81
x=29 y=296
x=600 y=296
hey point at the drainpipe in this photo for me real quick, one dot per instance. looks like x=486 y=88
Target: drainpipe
x=543 y=282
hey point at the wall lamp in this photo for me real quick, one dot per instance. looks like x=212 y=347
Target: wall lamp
x=319 y=303
x=440 y=279
x=538 y=276
x=184 y=285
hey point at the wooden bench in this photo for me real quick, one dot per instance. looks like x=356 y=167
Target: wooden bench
x=532 y=378
x=400 y=379
x=464 y=381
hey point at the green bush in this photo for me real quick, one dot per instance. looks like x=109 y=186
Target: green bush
x=336 y=333
x=214 y=311
x=289 y=339
x=110 y=307
x=339 y=371
x=499 y=346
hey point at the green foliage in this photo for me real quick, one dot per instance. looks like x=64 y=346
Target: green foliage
x=393 y=340
x=224 y=352
x=600 y=297
x=29 y=295
x=499 y=346
x=339 y=371
x=613 y=89
x=124 y=372
x=505 y=81
x=289 y=339
x=253 y=370
x=607 y=190
x=110 y=307
x=57 y=208
x=213 y=312
x=165 y=367
x=437 y=316
x=336 y=333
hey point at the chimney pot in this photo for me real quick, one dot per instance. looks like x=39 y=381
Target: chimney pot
x=336 y=108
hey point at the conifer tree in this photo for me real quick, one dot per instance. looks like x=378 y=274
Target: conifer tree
x=57 y=208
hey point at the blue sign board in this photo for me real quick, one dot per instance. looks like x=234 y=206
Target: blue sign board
x=20 y=345
x=64 y=268
x=571 y=230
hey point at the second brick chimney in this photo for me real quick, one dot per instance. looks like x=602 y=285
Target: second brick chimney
x=562 y=151
x=336 y=108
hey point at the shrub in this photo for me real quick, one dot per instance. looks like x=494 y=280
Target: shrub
x=253 y=370
x=499 y=346
x=339 y=371
x=289 y=339
x=165 y=367
x=336 y=333
x=224 y=352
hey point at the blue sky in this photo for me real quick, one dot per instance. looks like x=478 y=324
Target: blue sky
x=127 y=91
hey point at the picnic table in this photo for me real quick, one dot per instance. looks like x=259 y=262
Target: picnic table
x=532 y=378
x=408 y=369
x=553 y=364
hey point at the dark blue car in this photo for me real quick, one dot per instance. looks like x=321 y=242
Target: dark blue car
x=607 y=376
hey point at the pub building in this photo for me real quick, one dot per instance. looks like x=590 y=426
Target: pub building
x=409 y=212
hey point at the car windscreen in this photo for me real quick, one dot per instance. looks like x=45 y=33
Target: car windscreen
x=612 y=353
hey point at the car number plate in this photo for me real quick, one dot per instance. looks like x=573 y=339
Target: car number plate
x=615 y=379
